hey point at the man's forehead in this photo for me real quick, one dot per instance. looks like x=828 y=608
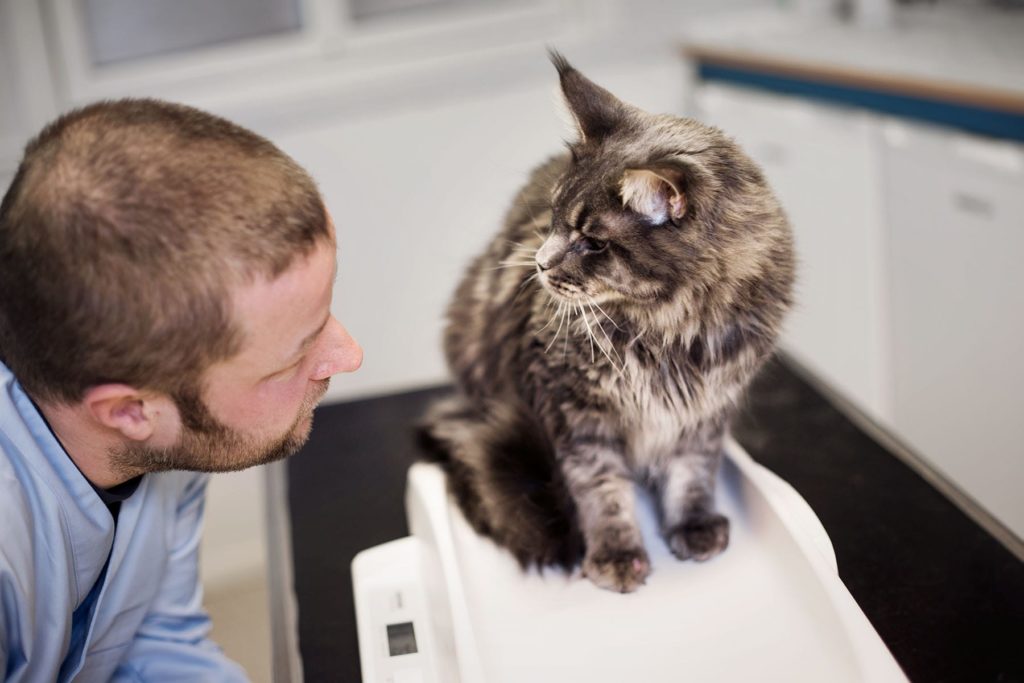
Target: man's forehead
x=281 y=312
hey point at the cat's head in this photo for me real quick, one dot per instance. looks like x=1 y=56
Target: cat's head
x=648 y=205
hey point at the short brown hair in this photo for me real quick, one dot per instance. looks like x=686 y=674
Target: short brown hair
x=121 y=235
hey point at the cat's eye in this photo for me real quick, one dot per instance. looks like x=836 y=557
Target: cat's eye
x=592 y=245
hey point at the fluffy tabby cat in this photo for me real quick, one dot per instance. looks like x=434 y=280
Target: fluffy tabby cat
x=605 y=337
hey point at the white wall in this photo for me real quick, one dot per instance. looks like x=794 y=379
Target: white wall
x=416 y=193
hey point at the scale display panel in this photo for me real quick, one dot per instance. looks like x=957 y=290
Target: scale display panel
x=401 y=639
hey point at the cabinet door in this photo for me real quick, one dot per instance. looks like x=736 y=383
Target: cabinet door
x=824 y=165
x=956 y=214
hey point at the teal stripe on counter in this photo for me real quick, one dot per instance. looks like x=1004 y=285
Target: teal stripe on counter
x=975 y=119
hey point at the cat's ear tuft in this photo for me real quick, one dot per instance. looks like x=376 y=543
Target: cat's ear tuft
x=655 y=192
x=558 y=59
x=597 y=112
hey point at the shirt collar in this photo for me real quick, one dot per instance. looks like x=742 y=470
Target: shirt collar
x=114 y=494
x=89 y=524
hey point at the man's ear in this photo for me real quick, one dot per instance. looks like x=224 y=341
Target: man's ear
x=655 y=192
x=124 y=409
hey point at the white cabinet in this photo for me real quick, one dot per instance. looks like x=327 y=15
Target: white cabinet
x=823 y=163
x=910 y=296
x=955 y=210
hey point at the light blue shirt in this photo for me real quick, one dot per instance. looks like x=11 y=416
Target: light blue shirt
x=81 y=600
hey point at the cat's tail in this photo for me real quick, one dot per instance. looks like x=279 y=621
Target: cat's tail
x=501 y=470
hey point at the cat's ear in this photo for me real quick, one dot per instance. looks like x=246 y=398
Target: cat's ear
x=597 y=111
x=655 y=192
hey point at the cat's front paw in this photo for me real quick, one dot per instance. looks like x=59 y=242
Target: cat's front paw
x=700 y=537
x=622 y=570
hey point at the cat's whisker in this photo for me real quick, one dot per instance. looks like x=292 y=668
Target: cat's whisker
x=592 y=301
x=517 y=264
x=594 y=341
x=560 y=312
x=522 y=287
x=597 y=321
x=533 y=216
x=568 y=325
x=603 y=350
x=547 y=303
x=590 y=333
x=548 y=324
x=611 y=346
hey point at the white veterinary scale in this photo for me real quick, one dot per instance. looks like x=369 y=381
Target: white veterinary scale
x=445 y=605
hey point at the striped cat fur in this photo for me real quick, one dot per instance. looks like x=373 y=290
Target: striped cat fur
x=606 y=336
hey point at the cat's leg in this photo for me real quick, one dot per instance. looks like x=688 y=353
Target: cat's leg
x=686 y=492
x=602 y=488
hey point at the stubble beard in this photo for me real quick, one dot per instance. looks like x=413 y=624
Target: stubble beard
x=208 y=445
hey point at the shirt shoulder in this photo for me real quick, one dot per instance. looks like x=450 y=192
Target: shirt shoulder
x=16 y=535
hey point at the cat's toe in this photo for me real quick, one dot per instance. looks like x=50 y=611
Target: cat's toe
x=700 y=538
x=622 y=570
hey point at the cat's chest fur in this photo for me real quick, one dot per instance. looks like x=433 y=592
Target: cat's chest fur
x=658 y=398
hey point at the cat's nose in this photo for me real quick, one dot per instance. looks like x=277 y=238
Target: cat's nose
x=551 y=252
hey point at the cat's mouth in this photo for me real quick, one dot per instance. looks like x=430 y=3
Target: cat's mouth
x=561 y=287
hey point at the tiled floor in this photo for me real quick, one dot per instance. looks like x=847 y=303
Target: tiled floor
x=241 y=624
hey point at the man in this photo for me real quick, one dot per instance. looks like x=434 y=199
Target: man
x=165 y=292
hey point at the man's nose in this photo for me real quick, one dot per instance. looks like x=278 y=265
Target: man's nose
x=342 y=354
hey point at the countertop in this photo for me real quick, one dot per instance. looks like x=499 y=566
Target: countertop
x=970 y=49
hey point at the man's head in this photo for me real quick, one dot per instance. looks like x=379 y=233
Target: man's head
x=155 y=261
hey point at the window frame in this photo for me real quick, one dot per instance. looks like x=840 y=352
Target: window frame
x=327 y=43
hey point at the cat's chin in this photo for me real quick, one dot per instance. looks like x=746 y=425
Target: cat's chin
x=562 y=293
x=564 y=298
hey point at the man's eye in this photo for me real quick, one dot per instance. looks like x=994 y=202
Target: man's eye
x=288 y=371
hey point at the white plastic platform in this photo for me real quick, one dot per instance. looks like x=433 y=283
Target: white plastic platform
x=770 y=608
